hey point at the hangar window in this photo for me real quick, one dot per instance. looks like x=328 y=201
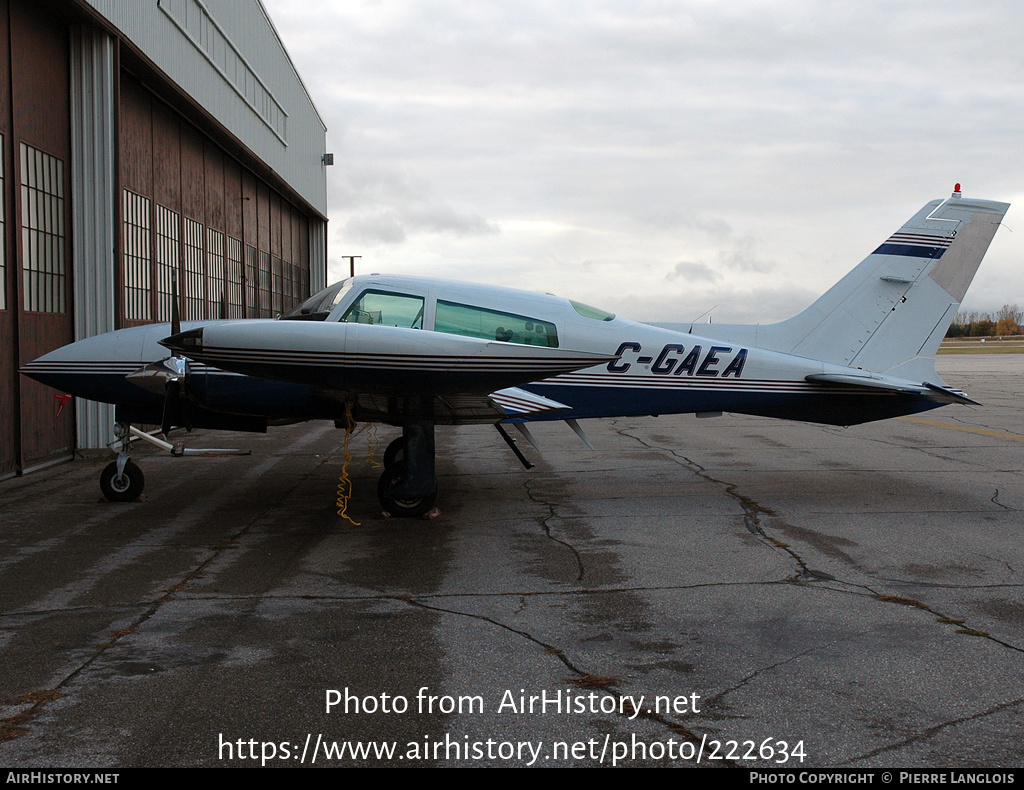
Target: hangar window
x=277 y=288
x=215 y=273
x=3 y=233
x=251 y=282
x=286 y=286
x=195 y=271
x=168 y=255
x=137 y=273
x=236 y=294
x=265 y=284
x=386 y=308
x=42 y=231
x=469 y=321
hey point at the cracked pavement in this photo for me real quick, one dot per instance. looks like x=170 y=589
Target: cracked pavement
x=854 y=589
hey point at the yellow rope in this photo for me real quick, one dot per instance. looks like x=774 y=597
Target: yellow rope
x=371 y=446
x=344 y=483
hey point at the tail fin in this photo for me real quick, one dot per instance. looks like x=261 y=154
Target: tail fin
x=891 y=312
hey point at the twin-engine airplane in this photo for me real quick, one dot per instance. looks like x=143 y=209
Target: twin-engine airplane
x=417 y=352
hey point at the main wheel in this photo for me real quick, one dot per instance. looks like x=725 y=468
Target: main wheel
x=406 y=508
x=123 y=488
x=394 y=453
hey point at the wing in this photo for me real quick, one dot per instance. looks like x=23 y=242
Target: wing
x=457 y=409
x=385 y=370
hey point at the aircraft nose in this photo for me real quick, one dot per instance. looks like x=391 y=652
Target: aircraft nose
x=63 y=368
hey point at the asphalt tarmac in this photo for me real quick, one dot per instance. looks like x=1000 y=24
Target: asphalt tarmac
x=735 y=591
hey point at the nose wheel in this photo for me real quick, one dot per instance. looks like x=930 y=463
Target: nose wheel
x=122 y=482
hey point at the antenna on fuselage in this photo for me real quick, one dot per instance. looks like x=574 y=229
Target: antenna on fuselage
x=706 y=312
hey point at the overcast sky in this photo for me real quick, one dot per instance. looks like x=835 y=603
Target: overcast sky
x=660 y=158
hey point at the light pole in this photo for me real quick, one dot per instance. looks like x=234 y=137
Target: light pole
x=351 y=263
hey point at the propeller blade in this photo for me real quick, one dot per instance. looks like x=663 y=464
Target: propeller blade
x=172 y=407
x=175 y=311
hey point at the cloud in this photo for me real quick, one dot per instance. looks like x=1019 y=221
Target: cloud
x=759 y=144
x=690 y=271
x=741 y=256
x=380 y=205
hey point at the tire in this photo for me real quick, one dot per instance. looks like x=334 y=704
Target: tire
x=394 y=453
x=125 y=488
x=404 y=508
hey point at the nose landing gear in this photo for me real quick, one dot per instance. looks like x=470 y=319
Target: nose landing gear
x=121 y=480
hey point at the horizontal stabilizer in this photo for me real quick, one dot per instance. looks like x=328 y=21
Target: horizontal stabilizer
x=931 y=391
x=876 y=382
x=949 y=395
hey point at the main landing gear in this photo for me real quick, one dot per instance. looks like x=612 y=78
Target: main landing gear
x=408 y=485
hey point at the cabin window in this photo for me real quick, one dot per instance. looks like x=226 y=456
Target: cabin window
x=587 y=311
x=387 y=309
x=469 y=321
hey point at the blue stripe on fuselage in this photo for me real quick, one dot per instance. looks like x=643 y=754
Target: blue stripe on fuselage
x=910 y=250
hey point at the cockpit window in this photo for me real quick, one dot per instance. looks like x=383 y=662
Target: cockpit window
x=319 y=305
x=389 y=309
x=587 y=311
x=469 y=321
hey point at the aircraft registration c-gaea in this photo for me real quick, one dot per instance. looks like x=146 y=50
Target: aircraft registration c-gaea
x=418 y=352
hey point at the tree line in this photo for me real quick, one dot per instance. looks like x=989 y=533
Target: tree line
x=1006 y=321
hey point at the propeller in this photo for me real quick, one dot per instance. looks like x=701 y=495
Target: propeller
x=174 y=397
x=168 y=376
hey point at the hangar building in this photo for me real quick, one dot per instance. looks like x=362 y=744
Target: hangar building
x=139 y=139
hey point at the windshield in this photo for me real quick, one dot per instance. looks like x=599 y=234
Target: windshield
x=319 y=305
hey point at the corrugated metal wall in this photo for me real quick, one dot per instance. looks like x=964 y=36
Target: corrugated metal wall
x=94 y=210
x=227 y=56
x=10 y=441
